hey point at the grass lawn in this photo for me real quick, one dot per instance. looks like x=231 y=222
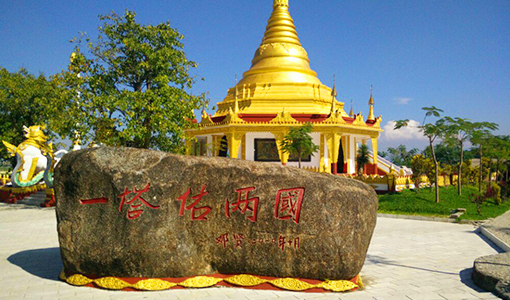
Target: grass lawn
x=410 y=202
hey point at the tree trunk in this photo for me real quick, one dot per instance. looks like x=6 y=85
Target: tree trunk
x=436 y=168
x=480 y=173
x=299 y=161
x=490 y=175
x=497 y=169
x=459 y=183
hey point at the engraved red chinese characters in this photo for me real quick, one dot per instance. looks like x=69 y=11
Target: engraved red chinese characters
x=243 y=204
x=135 y=209
x=222 y=239
x=282 y=242
x=288 y=204
x=206 y=209
x=102 y=200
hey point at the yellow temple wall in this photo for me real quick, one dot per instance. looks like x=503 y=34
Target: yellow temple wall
x=389 y=183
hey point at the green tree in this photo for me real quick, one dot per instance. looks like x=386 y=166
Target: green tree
x=400 y=156
x=469 y=173
x=27 y=100
x=130 y=86
x=445 y=153
x=299 y=142
x=432 y=132
x=382 y=154
x=503 y=155
x=420 y=165
x=458 y=131
x=498 y=148
x=479 y=137
x=362 y=158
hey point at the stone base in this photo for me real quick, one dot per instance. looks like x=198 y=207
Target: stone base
x=240 y=280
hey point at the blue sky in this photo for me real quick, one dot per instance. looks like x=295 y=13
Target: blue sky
x=451 y=54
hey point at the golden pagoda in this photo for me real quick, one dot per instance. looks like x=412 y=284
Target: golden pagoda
x=278 y=92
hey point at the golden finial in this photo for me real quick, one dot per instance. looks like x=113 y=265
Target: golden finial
x=236 y=105
x=284 y=3
x=333 y=91
x=235 y=89
x=351 y=113
x=333 y=95
x=371 y=101
x=371 y=116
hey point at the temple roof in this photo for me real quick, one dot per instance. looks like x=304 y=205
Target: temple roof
x=280 y=77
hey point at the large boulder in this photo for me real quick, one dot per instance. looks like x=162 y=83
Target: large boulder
x=138 y=213
x=492 y=273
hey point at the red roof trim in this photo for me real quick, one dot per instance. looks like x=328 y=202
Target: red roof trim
x=314 y=118
x=348 y=120
x=251 y=118
x=218 y=119
x=303 y=118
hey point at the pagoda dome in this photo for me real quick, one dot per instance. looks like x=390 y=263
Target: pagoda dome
x=280 y=77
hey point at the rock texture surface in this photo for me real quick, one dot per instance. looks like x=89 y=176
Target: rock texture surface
x=492 y=273
x=138 y=213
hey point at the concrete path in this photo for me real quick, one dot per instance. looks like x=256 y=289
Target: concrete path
x=407 y=259
x=500 y=228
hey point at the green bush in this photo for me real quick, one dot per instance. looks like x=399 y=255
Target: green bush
x=494 y=192
x=505 y=190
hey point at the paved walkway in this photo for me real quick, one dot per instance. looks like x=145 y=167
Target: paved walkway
x=407 y=259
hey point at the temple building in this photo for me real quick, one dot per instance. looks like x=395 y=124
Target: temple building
x=278 y=92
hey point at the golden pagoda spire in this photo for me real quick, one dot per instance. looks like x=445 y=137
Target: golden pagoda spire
x=280 y=74
x=371 y=116
x=351 y=113
x=280 y=52
x=236 y=104
x=333 y=96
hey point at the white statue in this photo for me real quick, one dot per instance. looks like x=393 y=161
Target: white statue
x=34 y=156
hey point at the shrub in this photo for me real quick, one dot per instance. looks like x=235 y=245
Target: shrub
x=494 y=192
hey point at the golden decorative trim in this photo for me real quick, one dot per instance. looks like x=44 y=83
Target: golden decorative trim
x=24 y=190
x=32 y=168
x=378 y=121
x=283 y=118
x=232 y=117
x=243 y=280
x=274 y=124
x=359 y=120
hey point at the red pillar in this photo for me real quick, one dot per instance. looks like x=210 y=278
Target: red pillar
x=334 y=169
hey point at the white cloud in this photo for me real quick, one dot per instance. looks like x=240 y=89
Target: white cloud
x=402 y=100
x=410 y=132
